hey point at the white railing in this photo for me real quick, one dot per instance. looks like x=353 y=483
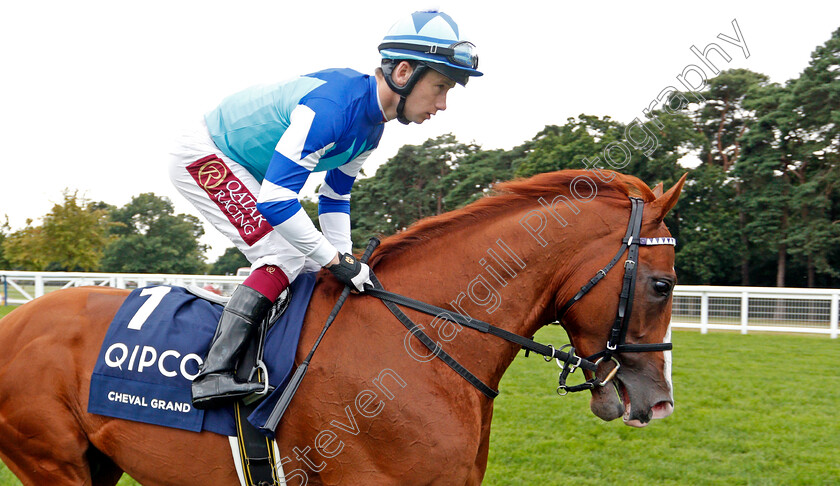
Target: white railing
x=756 y=309
x=705 y=308
x=21 y=287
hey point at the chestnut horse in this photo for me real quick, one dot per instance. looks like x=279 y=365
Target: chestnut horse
x=375 y=407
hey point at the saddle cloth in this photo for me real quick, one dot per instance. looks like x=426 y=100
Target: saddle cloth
x=155 y=344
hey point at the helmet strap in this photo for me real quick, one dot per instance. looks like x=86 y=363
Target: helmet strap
x=401 y=111
x=404 y=90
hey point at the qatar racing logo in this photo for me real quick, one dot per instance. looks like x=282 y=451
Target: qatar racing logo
x=234 y=200
x=211 y=174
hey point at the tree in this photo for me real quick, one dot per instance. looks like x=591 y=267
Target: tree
x=815 y=105
x=650 y=150
x=227 y=264
x=4 y=229
x=311 y=208
x=151 y=239
x=71 y=238
x=408 y=187
x=763 y=174
x=574 y=145
x=708 y=246
x=474 y=175
x=25 y=249
x=791 y=168
x=725 y=118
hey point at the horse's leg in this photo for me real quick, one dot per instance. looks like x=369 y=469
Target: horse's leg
x=158 y=456
x=480 y=467
x=55 y=467
x=52 y=451
x=42 y=438
x=102 y=469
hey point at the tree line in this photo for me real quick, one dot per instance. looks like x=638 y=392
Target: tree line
x=760 y=206
x=144 y=236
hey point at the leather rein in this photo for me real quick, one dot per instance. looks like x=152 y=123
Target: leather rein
x=567 y=360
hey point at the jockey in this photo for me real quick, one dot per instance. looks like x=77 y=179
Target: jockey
x=247 y=161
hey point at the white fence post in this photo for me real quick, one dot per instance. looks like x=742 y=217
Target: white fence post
x=704 y=313
x=745 y=311
x=39 y=286
x=834 y=315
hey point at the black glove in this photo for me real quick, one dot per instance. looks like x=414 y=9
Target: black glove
x=351 y=271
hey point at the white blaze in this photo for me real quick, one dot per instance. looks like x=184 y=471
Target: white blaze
x=668 y=363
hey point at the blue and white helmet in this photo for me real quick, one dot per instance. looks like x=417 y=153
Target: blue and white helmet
x=432 y=39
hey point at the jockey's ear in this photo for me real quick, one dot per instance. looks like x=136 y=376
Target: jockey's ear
x=402 y=73
x=665 y=202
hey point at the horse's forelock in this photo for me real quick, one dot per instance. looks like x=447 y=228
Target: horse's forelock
x=507 y=194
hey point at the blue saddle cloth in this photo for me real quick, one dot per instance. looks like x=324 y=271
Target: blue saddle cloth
x=155 y=344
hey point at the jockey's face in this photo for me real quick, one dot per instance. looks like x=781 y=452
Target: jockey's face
x=428 y=96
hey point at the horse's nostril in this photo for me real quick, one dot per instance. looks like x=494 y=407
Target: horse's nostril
x=662 y=409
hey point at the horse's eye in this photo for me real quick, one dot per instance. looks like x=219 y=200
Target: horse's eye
x=662 y=286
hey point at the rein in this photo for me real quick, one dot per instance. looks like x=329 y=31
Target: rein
x=567 y=361
x=391 y=300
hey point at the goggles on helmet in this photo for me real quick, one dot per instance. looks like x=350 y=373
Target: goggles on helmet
x=460 y=53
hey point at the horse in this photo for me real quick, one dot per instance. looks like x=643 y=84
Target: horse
x=376 y=407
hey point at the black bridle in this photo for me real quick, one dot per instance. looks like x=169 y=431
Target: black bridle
x=567 y=360
x=616 y=339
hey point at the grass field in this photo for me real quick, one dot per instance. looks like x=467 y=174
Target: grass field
x=760 y=409
x=754 y=409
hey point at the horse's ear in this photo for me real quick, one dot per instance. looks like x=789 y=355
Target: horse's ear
x=665 y=202
x=658 y=190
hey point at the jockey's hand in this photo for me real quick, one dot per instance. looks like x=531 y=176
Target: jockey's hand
x=351 y=271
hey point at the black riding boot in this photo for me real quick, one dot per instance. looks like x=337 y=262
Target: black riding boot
x=216 y=383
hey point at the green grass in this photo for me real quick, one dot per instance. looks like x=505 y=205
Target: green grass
x=760 y=409
x=754 y=409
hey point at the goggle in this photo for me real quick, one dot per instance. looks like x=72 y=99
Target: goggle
x=460 y=53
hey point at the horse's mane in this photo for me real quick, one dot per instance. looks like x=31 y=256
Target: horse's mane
x=506 y=195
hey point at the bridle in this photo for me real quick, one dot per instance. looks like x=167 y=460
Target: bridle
x=616 y=339
x=567 y=360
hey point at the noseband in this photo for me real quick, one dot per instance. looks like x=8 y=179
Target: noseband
x=616 y=339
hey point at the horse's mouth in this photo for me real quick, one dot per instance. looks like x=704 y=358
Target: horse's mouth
x=625 y=401
x=609 y=403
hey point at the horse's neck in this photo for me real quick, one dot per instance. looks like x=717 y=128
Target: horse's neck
x=499 y=274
